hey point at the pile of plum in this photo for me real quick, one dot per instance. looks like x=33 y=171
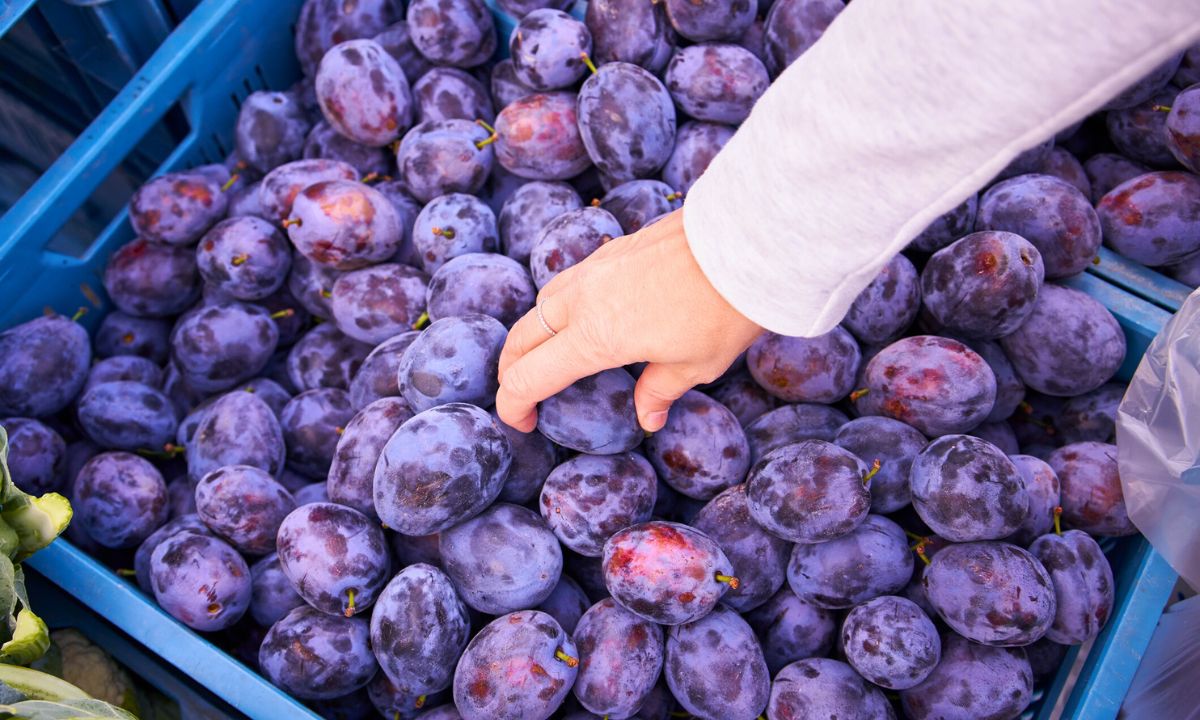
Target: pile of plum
x=283 y=430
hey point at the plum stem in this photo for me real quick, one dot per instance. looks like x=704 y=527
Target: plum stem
x=481 y=144
x=674 y=196
x=340 y=431
x=854 y=396
x=1161 y=108
x=229 y=183
x=126 y=572
x=127 y=338
x=326 y=294
x=447 y=233
x=286 y=313
x=733 y=582
x=248 y=388
x=394 y=146
x=169 y=451
x=420 y=703
x=570 y=661
x=588 y=61
x=1096 y=260
x=919 y=548
x=79 y=314
x=914 y=536
x=239 y=259
x=595 y=202
x=1058 y=519
x=292 y=221
x=373 y=177
x=349 y=611
x=483 y=124
x=873 y=471
x=421 y=322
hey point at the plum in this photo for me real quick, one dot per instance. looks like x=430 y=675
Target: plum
x=152 y=280
x=984 y=285
x=177 y=208
x=743 y=397
x=237 y=429
x=823 y=687
x=566 y=603
x=459 y=33
x=1105 y=171
x=336 y=557
x=1063 y=165
x=587 y=499
x=638 y=203
x=819 y=369
x=452 y=225
x=376 y=378
x=271 y=593
x=696 y=144
x=352 y=473
x=568 y=239
x=701 y=450
x=895 y=445
x=1042 y=486
x=316 y=656
x=631 y=32
x=1083 y=585
x=1071 y=344
x=790 y=424
x=506 y=88
x=666 y=572
x=445 y=156
x=520 y=666
x=200 y=581
x=791 y=629
x=620 y=657
x=970 y=682
x=595 y=415
x=324 y=142
x=1149 y=84
x=712 y=20
x=792 y=28
x=279 y=188
x=891 y=642
x=344 y=225
x=1049 y=213
x=1139 y=132
x=441 y=467
x=885 y=308
x=219 y=346
x=1182 y=129
x=127 y=415
x=123 y=334
x=324 y=23
x=715 y=82
x=481 y=283
x=270 y=131
x=1152 y=218
x=870 y=561
x=991 y=592
x=363 y=93
x=1091 y=416
x=626 y=120
x=949 y=227
x=244 y=257
x=761 y=558
x=243 y=505
x=502 y=560
x=189 y=522
x=419 y=627
x=811 y=491
x=547 y=48
x=378 y=302
x=715 y=667
x=120 y=499
x=312 y=423
x=967 y=489
x=935 y=384
x=1092 y=499
x=445 y=93
x=325 y=358
x=37 y=456
x=528 y=210
x=453 y=360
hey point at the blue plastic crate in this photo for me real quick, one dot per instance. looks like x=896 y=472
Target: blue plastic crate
x=1141 y=280
x=220 y=53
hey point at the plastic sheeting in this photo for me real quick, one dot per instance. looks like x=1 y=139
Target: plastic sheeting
x=1158 y=433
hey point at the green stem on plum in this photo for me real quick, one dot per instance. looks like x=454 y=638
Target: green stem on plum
x=421 y=321
x=420 y=703
x=1161 y=108
x=854 y=396
x=349 y=611
x=229 y=183
x=128 y=338
x=126 y=572
x=481 y=144
x=595 y=202
x=281 y=314
x=326 y=294
x=79 y=314
x=588 y=61
x=291 y=221
x=170 y=451
x=1096 y=260
x=914 y=536
x=1058 y=519
x=339 y=430
x=675 y=196
x=570 y=661
x=919 y=549
x=239 y=259
x=483 y=124
x=733 y=582
x=873 y=471
x=373 y=177
x=447 y=233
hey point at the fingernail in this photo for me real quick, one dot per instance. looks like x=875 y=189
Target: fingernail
x=656 y=420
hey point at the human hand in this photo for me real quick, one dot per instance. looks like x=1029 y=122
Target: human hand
x=638 y=298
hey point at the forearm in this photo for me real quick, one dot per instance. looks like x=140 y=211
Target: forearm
x=901 y=111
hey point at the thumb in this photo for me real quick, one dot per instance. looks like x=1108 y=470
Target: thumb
x=659 y=386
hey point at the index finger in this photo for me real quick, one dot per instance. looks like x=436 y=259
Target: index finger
x=546 y=370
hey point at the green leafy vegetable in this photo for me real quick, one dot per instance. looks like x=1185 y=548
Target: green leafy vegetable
x=38 y=685
x=31 y=639
x=63 y=710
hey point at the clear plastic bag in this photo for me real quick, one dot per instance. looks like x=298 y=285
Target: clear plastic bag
x=1167 y=683
x=1158 y=433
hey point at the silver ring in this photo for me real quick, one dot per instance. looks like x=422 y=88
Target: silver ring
x=542 y=319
